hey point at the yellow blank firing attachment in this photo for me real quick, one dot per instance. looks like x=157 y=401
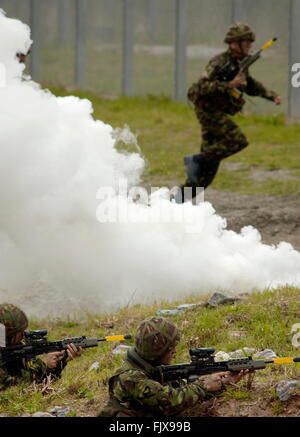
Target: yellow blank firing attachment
x=269 y=44
x=284 y=360
x=115 y=338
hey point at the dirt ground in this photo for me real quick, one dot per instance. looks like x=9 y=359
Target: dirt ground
x=261 y=403
x=276 y=218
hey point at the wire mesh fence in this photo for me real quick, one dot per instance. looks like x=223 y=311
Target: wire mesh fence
x=141 y=47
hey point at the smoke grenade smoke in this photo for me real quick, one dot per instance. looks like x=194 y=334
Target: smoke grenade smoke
x=56 y=257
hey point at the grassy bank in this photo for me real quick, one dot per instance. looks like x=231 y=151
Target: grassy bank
x=261 y=320
x=167 y=131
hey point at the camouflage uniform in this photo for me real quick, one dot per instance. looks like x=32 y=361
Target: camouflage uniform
x=134 y=393
x=11 y=373
x=27 y=371
x=221 y=136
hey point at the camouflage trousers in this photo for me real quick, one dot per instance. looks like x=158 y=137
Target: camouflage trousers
x=221 y=138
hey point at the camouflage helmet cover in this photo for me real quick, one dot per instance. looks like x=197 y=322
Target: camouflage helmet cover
x=239 y=32
x=156 y=336
x=13 y=319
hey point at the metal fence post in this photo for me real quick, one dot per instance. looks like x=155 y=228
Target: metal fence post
x=294 y=57
x=80 y=46
x=21 y=9
x=180 y=50
x=238 y=10
x=63 y=12
x=128 y=43
x=35 y=69
x=151 y=19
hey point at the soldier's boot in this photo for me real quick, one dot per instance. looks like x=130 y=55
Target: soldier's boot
x=210 y=172
x=195 y=167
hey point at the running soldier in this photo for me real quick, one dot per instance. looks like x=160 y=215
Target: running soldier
x=214 y=104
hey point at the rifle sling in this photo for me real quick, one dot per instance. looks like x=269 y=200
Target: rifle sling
x=134 y=358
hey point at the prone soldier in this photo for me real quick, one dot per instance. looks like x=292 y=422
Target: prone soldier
x=134 y=393
x=15 y=323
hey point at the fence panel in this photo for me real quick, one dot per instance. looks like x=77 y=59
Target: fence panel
x=140 y=47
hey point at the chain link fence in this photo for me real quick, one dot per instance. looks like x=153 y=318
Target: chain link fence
x=141 y=47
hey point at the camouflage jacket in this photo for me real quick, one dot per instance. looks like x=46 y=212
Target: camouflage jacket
x=133 y=393
x=27 y=371
x=210 y=94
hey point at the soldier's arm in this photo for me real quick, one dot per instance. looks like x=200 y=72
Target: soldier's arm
x=56 y=361
x=210 y=85
x=255 y=88
x=28 y=371
x=24 y=371
x=54 y=370
x=37 y=370
x=135 y=388
x=6 y=380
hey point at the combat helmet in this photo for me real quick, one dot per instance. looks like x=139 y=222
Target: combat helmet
x=156 y=336
x=13 y=319
x=239 y=32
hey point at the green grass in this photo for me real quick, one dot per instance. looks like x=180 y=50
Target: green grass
x=167 y=131
x=265 y=318
x=239 y=181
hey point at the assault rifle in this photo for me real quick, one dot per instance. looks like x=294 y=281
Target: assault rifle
x=36 y=343
x=203 y=363
x=227 y=72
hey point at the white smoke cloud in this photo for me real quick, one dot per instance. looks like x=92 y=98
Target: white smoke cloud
x=57 y=258
x=14 y=37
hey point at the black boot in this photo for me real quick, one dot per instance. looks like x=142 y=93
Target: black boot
x=210 y=172
x=195 y=167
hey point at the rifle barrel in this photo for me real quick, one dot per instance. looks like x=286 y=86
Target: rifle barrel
x=115 y=338
x=284 y=360
x=269 y=44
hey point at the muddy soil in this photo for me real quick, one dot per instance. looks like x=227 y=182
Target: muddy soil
x=276 y=218
x=260 y=403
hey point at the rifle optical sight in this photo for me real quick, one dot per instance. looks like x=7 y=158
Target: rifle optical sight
x=36 y=335
x=202 y=352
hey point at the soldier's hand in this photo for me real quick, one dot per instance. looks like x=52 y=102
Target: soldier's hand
x=233 y=378
x=278 y=100
x=214 y=382
x=52 y=359
x=239 y=80
x=73 y=352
